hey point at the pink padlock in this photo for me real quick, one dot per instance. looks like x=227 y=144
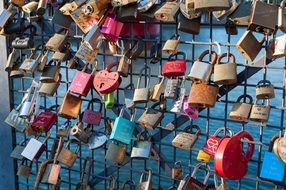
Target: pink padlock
x=192 y=112
x=111 y=28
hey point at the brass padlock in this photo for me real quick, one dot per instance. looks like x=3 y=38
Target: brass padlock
x=187 y=9
x=185 y=139
x=260 y=112
x=30 y=7
x=151 y=117
x=58 y=41
x=30 y=64
x=203 y=157
x=211 y=5
x=266 y=22
x=168 y=12
x=70 y=106
x=66 y=156
x=123 y=66
x=282 y=17
x=142 y=94
x=80 y=133
x=241 y=110
x=145 y=185
x=177 y=171
x=116 y=152
x=172 y=88
x=249 y=46
x=172 y=45
x=264 y=90
x=49 y=89
x=50 y=73
x=225 y=73
x=157 y=90
x=203 y=95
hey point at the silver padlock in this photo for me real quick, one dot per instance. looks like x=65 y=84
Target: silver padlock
x=79 y=132
x=145 y=185
x=141 y=148
x=172 y=88
x=142 y=95
x=145 y=5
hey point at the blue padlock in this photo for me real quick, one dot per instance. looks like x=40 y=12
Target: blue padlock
x=273 y=168
x=123 y=128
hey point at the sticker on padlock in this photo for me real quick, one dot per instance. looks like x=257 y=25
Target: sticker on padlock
x=185 y=139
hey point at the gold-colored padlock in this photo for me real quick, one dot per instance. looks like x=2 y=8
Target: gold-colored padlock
x=260 y=112
x=203 y=156
x=241 y=110
x=123 y=66
x=30 y=7
x=172 y=45
x=282 y=17
x=168 y=12
x=157 y=90
x=264 y=90
x=185 y=139
x=225 y=73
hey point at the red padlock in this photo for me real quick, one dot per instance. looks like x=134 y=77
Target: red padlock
x=175 y=68
x=44 y=121
x=82 y=82
x=92 y=117
x=214 y=141
x=230 y=161
x=106 y=82
x=111 y=28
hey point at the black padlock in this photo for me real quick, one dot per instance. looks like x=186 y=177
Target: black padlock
x=191 y=26
x=231 y=28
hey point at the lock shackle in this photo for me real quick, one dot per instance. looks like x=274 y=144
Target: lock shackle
x=129 y=87
x=205 y=167
x=98 y=101
x=63 y=31
x=191 y=127
x=112 y=182
x=110 y=66
x=178 y=163
x=127 y=182
x=216 y=180
x=146 y=68
x=89 y=169
x=175 y=37
x=282 y=4
x=59 y=148
x=73 y=141
x=227 y=55
x=267 y=102
x=263 y=83
x=225 y=130
x=177 y=54
x=271 y=144
x=149 y=176
x=135 y=50
x=208 y=52
x=245 y=96
x=144 y=134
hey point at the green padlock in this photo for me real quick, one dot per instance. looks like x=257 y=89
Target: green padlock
x=109 y=100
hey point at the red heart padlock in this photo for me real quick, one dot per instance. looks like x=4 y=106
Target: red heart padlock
x=175 y=68
x=106 y=82
x=230 y=161
x=44 y=121
x=214 y=141
x=92 y=117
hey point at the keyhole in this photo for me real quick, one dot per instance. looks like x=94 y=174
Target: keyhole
x=101 y=85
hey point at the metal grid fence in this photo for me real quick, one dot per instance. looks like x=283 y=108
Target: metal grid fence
x=209 y=120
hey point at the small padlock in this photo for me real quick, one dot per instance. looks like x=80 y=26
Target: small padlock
x=86 y=172
x=22 y=43
x=68 y=8
x=203 y=157
x=175 y=67
x=260 y=112
x=230 y=28
x=61 y=20
x=86 y=53
x=222 y=186
x=142 y=94
x=178 y=106
x=111 y=28
x=191 y=26
x=190 y=111
x=264 y=90
x=92 y=39
x=49 y=89
x=171 y=46
x=282 y=17
x=145 y=185
x=172 y=88
x=70 y=107
x=109 y=100
x=30 y=7
x=157 y=90
x=185 y=139
x=44 y=121
x=151 y=117
x=177 y=171
x=141 y=148
x=16 y=153
x=225 y=73
x=123 y=66
x=95 y=7
x=156 y=53
x=241 y=110
x=168 y=12
x=193 y=183
x=62 y=56
x=68 y=157
x=12 y=58
x=116 y=152
x=80 y=133
x=201 y=71
x=90 y=116
x=24 y=170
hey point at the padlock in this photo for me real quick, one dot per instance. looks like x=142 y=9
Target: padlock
x=128 y=95
x=280 y=147
x=29 y=64
x=16 y=153
x=82 y=82
x=156 y=53
x=15 y=121
x=151 y=118
x=168 y=12
x=86 y=53
x=225 y=73
x=34 y=149
x=41 y=9
x=127 y=182
x=190 y=111
x=175 y=68
x=40 y=173
x=145 y=185
x=61 y=20
x=68 y=8
x=241 y=110
x=172 y=88
x=12 y=58
x=260 y=112
x=50 y=73
x=177 y=171
x=185 y=139
x=272 y=167
x=16 y=27
x=58 y=41
x=90 y=116
x=123 y=66
x=80 y=133
x=136 y=49
x=145 y=5
x=44 y=121
x=281 y=23
x=171 y=46
x=203 y=95
x=24 y=170
x=30 y=7
x=95 y=7
x=119 y=3
x=142 y=94
x=191 y=26
x=276 y=47
x=70 y=106
x=193 y=183
x=210 y=6
x=264 y=90
x=220 y=15
x=178 y=106
x=201 y=71
x=97 y=140
x=68 y=157
x=141 y=148
x=157 y=90
x=18 y=3
x=106 y=81
x=62 y=56
x=123 y=128
x=249 y=46
x=230 y=28
x=109 y=100
x=116 y=152
x=86 y=172
x=203 y=157
x=22 y=43
x=111 y=28
x=214 y=141
x=263 y=23
x=127 y=13
x=5 y=15
x=43 y=59
x=222 y=186
x=242 y=13
x=92 y=38
x=49 y=89
x=188 y=11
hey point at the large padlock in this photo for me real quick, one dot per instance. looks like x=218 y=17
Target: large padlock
x=70 y=106
x=249 y=46
x=116 y=152
x=225 y=73
x=263 y=23
x=44 y=121
x=193 y=183
x=142 y=94
x=203 y=95
x=145 y=185
x=49 y=89
x=58 y=41
x=81 y=133
x=145 y=5
x=68 y=157
x=171 y=46
x=5 y=15
x=168 y=12
x=201 y=71
x=241 y=110
x=281 y=23
x=172 y=88
x=34 y=149
x=151 y=117
x=86 y=172
x=90 y=116
x=222 y=186
x=141 y=148
x=111 y=28
x=177 y=171
x=50 y=73
x=210 y=5
x=214 y=140
x=185 y=139
x=157 y=91
x=264 y=90
x=272 y=167
x=123 y=128
x=175 y=67
x=260 y=112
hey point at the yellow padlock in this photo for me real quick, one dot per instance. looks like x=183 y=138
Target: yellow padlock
x=203 y=157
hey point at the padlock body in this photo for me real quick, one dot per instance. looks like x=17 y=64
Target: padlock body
x=67 y=157
x=201 y=72
x=33 y=150
x=203 y=95
x=184 y=140
x=225 y=73
x=240 y=111
x=116 y=153
x=150 y=118
x=259 y=113
x=141 y=95
x=122 y=130
x=141 y=150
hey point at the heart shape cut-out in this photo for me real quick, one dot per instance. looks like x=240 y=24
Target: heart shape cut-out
x=212 y=144
x=106 y=82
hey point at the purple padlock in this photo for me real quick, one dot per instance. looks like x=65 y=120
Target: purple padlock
x=192 y=112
